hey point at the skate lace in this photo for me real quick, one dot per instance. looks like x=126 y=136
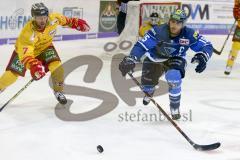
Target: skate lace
x=59 y=95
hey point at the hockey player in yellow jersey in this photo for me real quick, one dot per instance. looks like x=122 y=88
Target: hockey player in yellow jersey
x=34 y=49
x=236 y=39
x=147 y=25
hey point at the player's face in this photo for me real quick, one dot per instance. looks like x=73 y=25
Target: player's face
x=154 y=20
x=175 y=27
x=41 y=21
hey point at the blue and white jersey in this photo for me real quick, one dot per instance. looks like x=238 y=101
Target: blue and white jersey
x=158 y=45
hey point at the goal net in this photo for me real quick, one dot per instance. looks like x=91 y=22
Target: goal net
x=138 y=12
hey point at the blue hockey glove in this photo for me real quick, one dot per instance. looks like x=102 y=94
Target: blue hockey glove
x=127 y=65
x=201 y=59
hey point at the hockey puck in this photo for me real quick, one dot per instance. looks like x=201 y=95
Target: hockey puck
x=100 y=149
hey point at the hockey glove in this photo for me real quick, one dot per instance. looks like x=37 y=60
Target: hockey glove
x=236 y=13
x=36 y=69
x=201 y=59
x=127 y=65
x=78 y=24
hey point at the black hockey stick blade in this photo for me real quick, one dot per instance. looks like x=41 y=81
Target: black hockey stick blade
x=207 y=147
x=196 y=146
x=217 y=52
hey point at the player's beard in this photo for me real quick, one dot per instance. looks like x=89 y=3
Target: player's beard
x=42 y=25
x=174 y=31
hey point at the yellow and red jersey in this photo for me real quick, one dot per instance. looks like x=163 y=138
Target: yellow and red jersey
x=236 y=11
x=31 y=42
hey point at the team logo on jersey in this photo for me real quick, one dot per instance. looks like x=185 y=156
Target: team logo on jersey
x=53 y=22
x=184 y=41
x=53 y=32
x=169 y=51
x=195 y=35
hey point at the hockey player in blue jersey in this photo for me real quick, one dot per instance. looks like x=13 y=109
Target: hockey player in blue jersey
x=165 y=49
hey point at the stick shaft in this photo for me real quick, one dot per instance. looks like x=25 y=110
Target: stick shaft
x=164 y=113
x=16 y=95
x=224 y=44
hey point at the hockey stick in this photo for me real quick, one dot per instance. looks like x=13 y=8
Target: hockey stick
x=196 y=146
x=15 y=96
x=220 y=52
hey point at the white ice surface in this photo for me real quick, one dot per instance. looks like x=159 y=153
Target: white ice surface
x=30 y=130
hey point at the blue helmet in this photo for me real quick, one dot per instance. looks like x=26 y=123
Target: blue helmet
x=179 y=15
